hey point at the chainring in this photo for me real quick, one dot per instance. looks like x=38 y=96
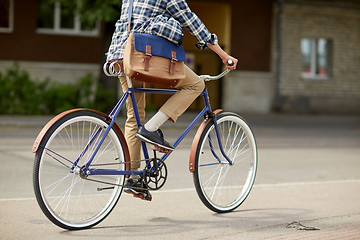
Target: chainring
x=155 y=174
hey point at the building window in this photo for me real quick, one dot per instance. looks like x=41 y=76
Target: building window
x=56 y=18
x=6 y=15
x=315 y=58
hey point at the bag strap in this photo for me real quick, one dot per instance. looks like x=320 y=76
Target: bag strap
x=131 y=5
x=147 y=58
x=173 y=62
x=148 y=47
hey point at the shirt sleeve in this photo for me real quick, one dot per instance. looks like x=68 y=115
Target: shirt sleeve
x=118 y=41
x=180 y=10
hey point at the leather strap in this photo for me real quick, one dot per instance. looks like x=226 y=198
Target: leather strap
x=147 y=58
x=173 y=62
x=131 y=3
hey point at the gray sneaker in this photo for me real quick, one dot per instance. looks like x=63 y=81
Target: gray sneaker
x=155 y=137
x=134 y=186
x=137 y=188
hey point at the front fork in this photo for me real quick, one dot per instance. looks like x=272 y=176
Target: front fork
x=214 y=120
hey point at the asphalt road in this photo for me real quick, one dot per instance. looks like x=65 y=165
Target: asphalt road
x=309 y=172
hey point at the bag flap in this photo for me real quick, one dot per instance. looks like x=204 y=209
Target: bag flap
x=159 y=46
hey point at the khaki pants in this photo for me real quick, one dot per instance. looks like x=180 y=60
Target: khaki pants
x=189 y=89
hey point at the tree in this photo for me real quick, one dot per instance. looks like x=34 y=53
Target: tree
x=92 y=11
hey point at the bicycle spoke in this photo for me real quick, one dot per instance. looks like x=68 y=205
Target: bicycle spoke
x=93 y=145
x=69 y=200
x=57 y=183
x=224 y=187
x=61 y=196
x=220 y=185
x=69 y=137
x=237 y=130
x=104 y=151
x=210 y=179
x=216 y=184
x=228 y=135
x=57 y=160
x=241 y=152
x=238 y=146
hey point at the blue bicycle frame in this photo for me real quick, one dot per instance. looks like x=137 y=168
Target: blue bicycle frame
x=114 y=113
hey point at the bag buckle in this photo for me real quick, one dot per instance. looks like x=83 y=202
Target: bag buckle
x=173 y=62
x=173 y=57
x=147 y=58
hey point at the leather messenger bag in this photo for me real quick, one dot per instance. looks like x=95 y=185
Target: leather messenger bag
x=153 y=59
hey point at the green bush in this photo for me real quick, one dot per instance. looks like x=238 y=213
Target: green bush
x=19 y=94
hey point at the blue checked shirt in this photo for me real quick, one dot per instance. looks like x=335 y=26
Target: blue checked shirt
x=164 y=18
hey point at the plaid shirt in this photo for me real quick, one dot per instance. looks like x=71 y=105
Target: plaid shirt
x=164 y=18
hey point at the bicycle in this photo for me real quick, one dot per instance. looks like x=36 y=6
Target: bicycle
x=82 y=161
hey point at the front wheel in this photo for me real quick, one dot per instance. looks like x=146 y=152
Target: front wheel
x=66 y=196
x=223 y=186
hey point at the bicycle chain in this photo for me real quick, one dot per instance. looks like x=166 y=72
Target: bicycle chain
x=85 y=177
x=112 y=184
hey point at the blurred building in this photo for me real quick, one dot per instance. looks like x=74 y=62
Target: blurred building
x=319 y=64
x=47 y=41
x=294 y=55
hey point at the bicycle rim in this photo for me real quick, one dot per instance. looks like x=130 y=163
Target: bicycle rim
x=68 y=200
x=222 y=187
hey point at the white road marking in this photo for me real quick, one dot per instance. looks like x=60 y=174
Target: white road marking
x=288 y=184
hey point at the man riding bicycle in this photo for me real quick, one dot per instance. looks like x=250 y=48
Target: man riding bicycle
x=164 y=18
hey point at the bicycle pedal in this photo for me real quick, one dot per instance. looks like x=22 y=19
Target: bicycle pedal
x=143 y=196
x=160 y=149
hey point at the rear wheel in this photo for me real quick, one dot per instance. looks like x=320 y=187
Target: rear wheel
x=64 y=194
x=221 y=186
